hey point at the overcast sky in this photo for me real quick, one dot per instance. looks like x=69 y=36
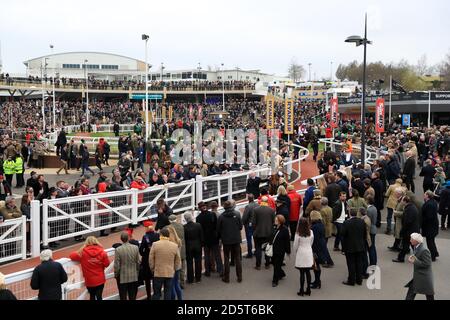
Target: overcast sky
x=248 y=34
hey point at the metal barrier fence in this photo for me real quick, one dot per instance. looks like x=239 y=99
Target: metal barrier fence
x=74 y=288
x=13 y=241
x=65 y=218
x=335 y=146
x=229 y=186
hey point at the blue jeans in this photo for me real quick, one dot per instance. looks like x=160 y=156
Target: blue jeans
x=249 y=237
x=390 y=213
x=338 y=238
x=158 y=283
x=372 y=251
x=176 y=288
x=85 y=167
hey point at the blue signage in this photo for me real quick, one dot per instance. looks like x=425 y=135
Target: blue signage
x=406 y=120
x=150 y=96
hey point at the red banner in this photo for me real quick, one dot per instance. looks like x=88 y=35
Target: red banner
x=379 y=118
x=334 y=113
x=191 y=112
x=200 y=113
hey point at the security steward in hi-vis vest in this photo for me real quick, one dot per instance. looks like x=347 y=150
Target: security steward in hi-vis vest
x=9 y=167
x=19 y=169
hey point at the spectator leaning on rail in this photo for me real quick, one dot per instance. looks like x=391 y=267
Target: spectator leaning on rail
x=48 y=277
x=93 y=260
x=10 y=210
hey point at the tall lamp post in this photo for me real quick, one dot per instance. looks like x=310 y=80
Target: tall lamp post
x=223 y=91
x=54 y=98
x=43 y=66
x=362 y=41
x=309 y=65
x=162 y=69
x=145 y=37
x=86 y=76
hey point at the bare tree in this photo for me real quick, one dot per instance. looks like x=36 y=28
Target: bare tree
x=422 y=67
x=295 y=70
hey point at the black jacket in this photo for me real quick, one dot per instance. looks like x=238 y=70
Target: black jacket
x=61 y=140
x=359 y=185
x=430 y=221
x=64 y=155
x=163 y=220
x=208 y=221
x=6 y=295
x=444 y=201
x=408 y=168
x=392 y=170
x=337 y=210
x=282 y=243
x=229 y=226
x=410 y=220
x=48 y=278
x=354 y=235
x=193 y=236
x=144 y=250
x=378 y=186
x=332 y=192
x=427 y=173
x=253 y=186
x=319 y=245
x=34 y=184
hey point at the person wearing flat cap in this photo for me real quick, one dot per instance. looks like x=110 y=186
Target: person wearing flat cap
x=422 y=281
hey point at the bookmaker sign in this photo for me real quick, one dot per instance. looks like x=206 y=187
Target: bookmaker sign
x=379 y=112
x=289 y=117
x=334 y=113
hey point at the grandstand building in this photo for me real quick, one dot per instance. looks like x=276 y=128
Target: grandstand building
x=104 y=66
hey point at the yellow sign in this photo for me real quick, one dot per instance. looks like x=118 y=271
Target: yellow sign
x=170 y=113
x=289 y=116
x=270 y=112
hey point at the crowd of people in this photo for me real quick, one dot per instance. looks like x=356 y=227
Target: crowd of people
x=133 y=84
x=346 y=203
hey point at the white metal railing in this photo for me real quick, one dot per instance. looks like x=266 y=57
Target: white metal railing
x=13 y=241
x=371 y=154
x=74 y=288
x=75 y=216
x=225 y=186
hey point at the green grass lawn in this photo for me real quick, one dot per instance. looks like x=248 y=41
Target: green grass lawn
x=99 y=134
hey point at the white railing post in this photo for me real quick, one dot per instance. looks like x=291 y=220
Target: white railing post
x=193 y=185
x=92 y=202
x=134 y=206
x=230 y=186
x=45 y=222
x=35 y=228
x=198 y=189
x=24 y=237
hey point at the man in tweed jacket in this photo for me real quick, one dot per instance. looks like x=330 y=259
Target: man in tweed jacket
x=126 y=268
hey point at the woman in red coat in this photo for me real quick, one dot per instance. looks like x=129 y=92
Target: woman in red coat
x=93 y=260
x=294 y=211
